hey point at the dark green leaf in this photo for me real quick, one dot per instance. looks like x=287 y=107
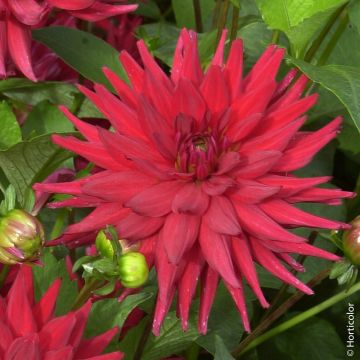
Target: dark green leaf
x=172 y=338
x=221 y=352
x=315 y=339
x=30 y=161
x=85 y=52
x=343 y=81
x=354 y=13
x=149 y=9
x=46 y=118
x=108 y=313
x=10 y=133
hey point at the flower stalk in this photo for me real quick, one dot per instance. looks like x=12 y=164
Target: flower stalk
x=301 y=317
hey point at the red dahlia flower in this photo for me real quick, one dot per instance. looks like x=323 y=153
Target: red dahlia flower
x=18 y=17
x=29 y=330
x=199 y=166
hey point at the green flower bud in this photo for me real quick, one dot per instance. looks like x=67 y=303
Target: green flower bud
x=351 y=242
x=104 y=246
x=133 y=269
x=21 y=237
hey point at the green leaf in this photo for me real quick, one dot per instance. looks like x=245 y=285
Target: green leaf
x=84 y=52
x=46 y=118
x=298 y=19
x=354 y=14
x=339 y=268
x=108 y=313
x=10 y=132
x=30 y=161
x=314 y=339
x=149 y=9
x=342 y=81
x=221 y=352
x=172 y=338
x=9 y=201
x=185 y=14
x=44 y=276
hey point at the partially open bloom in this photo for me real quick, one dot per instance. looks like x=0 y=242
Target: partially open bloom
x=19 y=17
x=29 y=330
x=199 y=170
x=21 y=237
x=351 y=242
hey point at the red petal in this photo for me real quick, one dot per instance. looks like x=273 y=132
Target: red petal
x=257 y=163
x=56 y=333
x=156 y=200
x=19 y=43
x=221 y=216
x=234 y=67
x=133 y=70
x=6 y=338
x=214 y=90
x=94 y=346
x=284 y=213
x=245 y=264
x=252 y=192
x=135 y=227
x=238 y=296
x=328 y=196
x=258 y=224
x=28 y=12
x=44 y=309
x=209 y=283
x=187 y=284
x=105 y=214
x=65 y=353
x=270 y=262
x=190 y=199
x=178 y=235
x=215 y=248
x=26 y=347
x=3 y=48
x=71 y=4
x=18 y=298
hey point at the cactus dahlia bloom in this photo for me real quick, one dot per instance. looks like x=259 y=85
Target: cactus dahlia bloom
x=18 y=17
x=199 y=166
x=30 y=331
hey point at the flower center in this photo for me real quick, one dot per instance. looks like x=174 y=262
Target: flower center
x=197 y=155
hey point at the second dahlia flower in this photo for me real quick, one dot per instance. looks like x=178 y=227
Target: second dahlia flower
x=29 y=330
x=199 y=169
x=19 y=17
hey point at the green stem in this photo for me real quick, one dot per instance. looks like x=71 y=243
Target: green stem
x=217 y=9
x=86 y=292
x=277 y=313
x=3 y=274
x=192 y=352
x=198 y=20
x=302 y=317
x=222 y=20
x=234 y=22
x=143 y=340
x=344 y=19
x=319 y=40
x=59 y=224
x=275 y=36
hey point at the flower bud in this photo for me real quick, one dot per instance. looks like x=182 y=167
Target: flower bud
x=21 y=237
x=104 y=246
x=351 y=242
x=133 y=269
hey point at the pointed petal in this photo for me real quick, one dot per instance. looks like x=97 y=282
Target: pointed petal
x=26 y=347
x=245 y=263
x=216 y=251
x=28 y=12
x=190 y=199
x=221 y=216
x=258 y=224
x=270 y=262
x=66 y=353
x=156 y=200
x=209 y=283
x=19 y=43
x=178 y=235
x=44 y=309
x=286 y=214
